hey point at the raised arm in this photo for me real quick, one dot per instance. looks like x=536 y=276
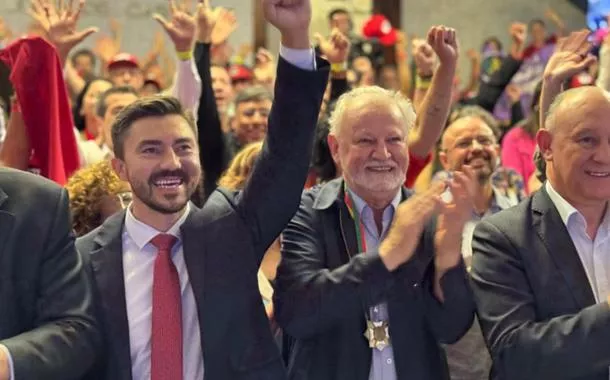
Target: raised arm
x=571 y=56
x=433 y=112
x=210 y=136
x=181 y=29
x=271 y=195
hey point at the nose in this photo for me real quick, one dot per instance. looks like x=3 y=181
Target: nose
x=170 y=160
x=602 y=153
x=476 y=146
x=381 y=152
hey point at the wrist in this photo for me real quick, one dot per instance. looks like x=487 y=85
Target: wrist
x=338 y=67
x=423 y=83
x=204 y=38
x=296 y=40
x=184 y=55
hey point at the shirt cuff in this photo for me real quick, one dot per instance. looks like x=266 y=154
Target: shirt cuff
x=302 y=58
x=10 y=362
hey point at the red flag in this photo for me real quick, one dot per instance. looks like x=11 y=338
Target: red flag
x=37 y=78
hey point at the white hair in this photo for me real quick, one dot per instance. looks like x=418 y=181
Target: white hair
x=374 y=95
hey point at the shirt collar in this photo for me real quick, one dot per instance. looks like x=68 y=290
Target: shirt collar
x=142 y=233
x=361 y=205
x=566 y=210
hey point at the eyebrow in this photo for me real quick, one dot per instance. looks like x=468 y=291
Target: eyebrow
x=181 y=140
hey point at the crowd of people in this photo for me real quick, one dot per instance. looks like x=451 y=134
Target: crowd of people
x=221 y=213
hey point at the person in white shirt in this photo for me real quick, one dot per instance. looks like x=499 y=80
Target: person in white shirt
x=177 y=284
x=540 y=270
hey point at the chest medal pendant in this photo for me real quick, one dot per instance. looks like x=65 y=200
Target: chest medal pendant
x=377 y=334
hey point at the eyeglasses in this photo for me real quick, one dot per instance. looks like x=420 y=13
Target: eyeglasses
x=484 y=141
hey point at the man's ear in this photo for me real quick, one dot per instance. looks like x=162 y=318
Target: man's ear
x=544 y=138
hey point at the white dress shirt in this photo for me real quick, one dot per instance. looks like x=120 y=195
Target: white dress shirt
x=593 y=254
x=138 y=266
x=138 y=263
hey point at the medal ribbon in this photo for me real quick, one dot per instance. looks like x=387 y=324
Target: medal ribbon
x=360 y=233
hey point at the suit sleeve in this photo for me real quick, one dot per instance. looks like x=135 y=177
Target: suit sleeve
x=522 y=346
x=450 y=319
x=66 y=341
x=309 y=297
x=271 y=195
x=212 y=149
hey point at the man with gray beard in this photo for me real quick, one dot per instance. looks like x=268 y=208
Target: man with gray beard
x=369 y=285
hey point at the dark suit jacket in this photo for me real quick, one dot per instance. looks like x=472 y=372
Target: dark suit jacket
x=535 y=304
x=46 y=313
x=321 y=296
x=224 y=244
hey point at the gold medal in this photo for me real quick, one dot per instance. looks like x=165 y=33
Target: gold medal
x=378 y=334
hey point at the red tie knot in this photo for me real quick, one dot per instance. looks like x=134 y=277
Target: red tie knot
x=164 y=242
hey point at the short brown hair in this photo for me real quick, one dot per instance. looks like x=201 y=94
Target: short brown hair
x=154 y=106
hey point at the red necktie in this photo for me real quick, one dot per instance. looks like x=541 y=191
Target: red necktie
x=166 y=344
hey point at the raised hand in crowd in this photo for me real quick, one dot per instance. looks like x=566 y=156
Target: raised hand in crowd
x=181 y=27
x=206 y=19
x=226 y=25
x=59 y=24
x=571 y=56
x=335 y=48
x=518 y=35
x=424 y=57
x=292 y=19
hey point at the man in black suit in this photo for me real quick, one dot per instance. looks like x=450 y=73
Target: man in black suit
x=215 y=252
x=540 y=269
x=47 y=324
x=367 y=287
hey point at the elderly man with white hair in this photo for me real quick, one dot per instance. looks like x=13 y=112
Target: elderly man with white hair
x=371 y=283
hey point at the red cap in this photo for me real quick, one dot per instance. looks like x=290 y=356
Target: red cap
x=240 y=72
x=379 y=27
x=123 y=59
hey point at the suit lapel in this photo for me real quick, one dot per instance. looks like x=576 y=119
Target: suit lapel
x=194 y=258
x=554 y=234
x=107 y=262
x=6 y=223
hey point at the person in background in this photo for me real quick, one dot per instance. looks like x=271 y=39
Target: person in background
x=84 y=110
x=84 y=62
x=471 y=141
x=96 y=193
x=519 y=144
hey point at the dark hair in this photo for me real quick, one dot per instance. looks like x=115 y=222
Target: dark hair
x=337 y=11
x=102 y=107
x=79 y=120
x=154 y=106
x=253 y=94
x=83 y=52
x=494 y=40
x=532 y=123
x=537 y=21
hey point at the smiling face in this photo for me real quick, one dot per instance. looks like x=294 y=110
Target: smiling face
x=470 y=141
x=576 y=148
x=160 y=162
x=371 y=147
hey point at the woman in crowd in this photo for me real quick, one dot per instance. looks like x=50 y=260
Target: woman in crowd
x=96 y=192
